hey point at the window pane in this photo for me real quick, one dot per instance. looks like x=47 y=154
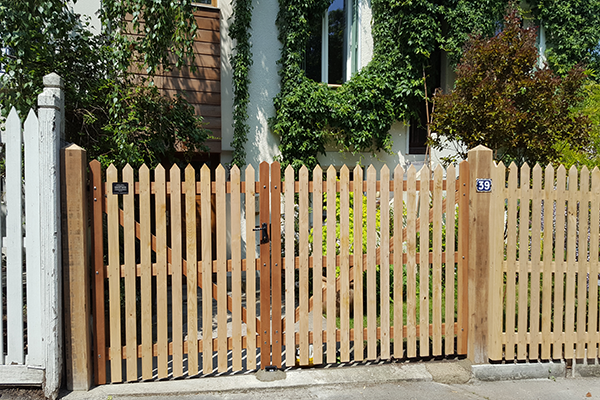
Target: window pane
x=313 y=48
x=337 y=29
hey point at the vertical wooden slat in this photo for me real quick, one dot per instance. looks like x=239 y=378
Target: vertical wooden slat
x=251 y=268
x=162 y=321
x=548 y=223
x=463 y=260
x=411 y=263
x=331 y=243
x=205 y=235
x=221 y=215
x=114 y=276
x=303 y=249
x=593 y=331
x=449 y=267
x=290 y=279
x=572 y=243
x=511 y=258
x=358 y=264
x=236 y=270
x=436 y=268
x=371 y=263
x=130 y=275
x=96 y=204
x=397 y=261
x=536 y=218
x=424 y=262
x=31 y=149
x=276 y=262
x=384 y=267
x=176 y=267
x=345 y=265
x=523 y=259
x=14 y=241
x=265 y=269
x=191 y=269
x=583 y=264
x=317 y=264
x=559 y=276
x=496 y=281
x=146 y=272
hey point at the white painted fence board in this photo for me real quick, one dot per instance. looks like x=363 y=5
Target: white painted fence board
x=50 y=120
x=21 y=375
x=32 y=254
x=14 y=241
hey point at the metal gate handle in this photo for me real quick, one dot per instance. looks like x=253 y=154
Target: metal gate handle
x=265 y=235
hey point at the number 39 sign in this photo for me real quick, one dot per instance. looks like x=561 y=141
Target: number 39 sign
x=484 y=185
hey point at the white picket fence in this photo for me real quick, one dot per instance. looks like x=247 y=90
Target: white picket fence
x=31 y=253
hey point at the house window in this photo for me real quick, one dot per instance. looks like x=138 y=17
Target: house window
x=332 y=50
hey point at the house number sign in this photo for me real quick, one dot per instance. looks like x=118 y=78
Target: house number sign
x=120 y=188
x=483 y=185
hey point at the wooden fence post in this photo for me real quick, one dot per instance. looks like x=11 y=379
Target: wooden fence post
x=480 y=230
x=50 y=123
x=75 y=267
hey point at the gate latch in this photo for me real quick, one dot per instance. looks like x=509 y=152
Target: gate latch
x=264 y=237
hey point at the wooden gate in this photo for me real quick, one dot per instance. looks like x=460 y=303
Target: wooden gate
x=334 y=269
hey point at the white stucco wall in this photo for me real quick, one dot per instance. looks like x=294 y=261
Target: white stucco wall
x=89 y=8
x=262 y=144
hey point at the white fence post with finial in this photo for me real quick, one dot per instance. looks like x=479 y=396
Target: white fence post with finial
x=51 y=103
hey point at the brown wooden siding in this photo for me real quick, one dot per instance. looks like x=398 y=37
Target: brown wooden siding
x=202 y=87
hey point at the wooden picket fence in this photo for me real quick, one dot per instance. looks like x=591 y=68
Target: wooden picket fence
x=162 y=241
x=339 y=266
x=30 y=279
x=547 y=286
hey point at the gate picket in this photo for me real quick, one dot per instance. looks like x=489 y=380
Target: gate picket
x=290 y=287
x=236 y=270
x=162 y=341
x=251 y=327
x=207 y=333
x=130 y=275
x=176 y=267
x=276 y=262
x=146 y=273
x=221 y=270
x=317 y=265
x=114 y=276
x=191 y=270
x=345 y=265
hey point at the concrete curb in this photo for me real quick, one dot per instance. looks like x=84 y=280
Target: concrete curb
x=503 y=372
x=242 y=382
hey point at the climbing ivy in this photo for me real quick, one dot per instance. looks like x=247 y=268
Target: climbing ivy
x=357 y=117
x=241 y=60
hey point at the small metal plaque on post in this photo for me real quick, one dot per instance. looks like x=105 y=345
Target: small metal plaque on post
x=120 y=188
x=483 y=185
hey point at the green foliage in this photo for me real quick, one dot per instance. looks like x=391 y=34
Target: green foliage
x=351 y=222
x=147 y=33
x=571 y=31
x=589 y=155
x=241 y=62
x=105 y=112
x=504 y=101
x=148 y=126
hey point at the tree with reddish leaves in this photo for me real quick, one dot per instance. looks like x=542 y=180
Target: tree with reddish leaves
x=505 y=100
